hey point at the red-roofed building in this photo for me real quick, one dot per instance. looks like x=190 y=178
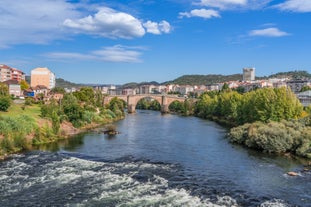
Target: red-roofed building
x=17 y=75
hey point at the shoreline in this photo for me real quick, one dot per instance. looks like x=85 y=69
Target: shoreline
x=67 y=131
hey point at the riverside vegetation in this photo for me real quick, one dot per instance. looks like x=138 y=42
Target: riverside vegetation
x=36 y=123
x=269 y=119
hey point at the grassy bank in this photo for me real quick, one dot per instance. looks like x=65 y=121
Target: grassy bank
x=23 y=127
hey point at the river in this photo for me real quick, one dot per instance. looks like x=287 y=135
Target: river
x=157 y=160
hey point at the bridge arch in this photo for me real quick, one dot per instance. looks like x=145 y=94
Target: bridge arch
x=132 y=100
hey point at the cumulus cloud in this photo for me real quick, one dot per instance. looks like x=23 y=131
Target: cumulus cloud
x=204 y=13
x=268 y=32
x=157 y=28
x=114 y=24
x=37 y=21
x=295 y=5
x=117 y=53
x=42 y=21
x=108 y=23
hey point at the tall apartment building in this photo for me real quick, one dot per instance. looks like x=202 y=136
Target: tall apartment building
x=5 y=73
x=8 y=73
x=248 y=74
x=42 y=76
x=17 y=75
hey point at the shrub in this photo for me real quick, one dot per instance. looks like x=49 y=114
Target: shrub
x=5 y=103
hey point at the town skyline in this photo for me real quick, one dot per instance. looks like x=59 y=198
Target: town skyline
x=116 y=42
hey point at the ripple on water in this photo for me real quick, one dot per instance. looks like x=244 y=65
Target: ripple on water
x=50 y=179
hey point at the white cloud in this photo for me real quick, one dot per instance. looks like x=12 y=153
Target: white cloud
x=108 y=23
x=117 y=53
x=204 y=13
x=157 y=28
x=42 y=21
x=268 y=32
x=222 y=4
x=295 y=5
x=34 y=21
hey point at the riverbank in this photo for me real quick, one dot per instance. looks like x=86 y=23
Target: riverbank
x=67 y=131
x=21 y=128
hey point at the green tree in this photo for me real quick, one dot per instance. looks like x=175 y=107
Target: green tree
x=55 y=122
x=4 y=90
x=24 y=85
x=72 y=109
x=58 y=90
x=117 y=106
x=85 y=94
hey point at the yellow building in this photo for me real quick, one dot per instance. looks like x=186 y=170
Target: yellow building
x=42 y=76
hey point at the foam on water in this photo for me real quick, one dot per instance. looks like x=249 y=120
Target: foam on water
x=49 y=179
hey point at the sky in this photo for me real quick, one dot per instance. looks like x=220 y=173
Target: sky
x=116 y=42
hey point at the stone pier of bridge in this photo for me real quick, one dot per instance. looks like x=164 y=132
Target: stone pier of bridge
x=132 y=100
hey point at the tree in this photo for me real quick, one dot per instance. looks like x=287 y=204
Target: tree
x=58 y=90
x=72 y=109
x=24 y=85
x=4 y=90
x=85 y=94
x=117 y=106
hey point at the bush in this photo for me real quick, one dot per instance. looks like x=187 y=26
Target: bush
x=274 y=137
x=5 y=103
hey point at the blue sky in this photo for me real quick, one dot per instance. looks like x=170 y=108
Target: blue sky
x=92 y=41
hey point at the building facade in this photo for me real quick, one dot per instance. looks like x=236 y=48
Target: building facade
x=8 y=73
x=248 y=74
x=5 y=73
x=14 y=88
x=43 y=77
x=17 y=75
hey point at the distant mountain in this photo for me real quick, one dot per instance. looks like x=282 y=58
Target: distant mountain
x=136 y=85
x=297 y=74
x=67 y=84
x=204 y=79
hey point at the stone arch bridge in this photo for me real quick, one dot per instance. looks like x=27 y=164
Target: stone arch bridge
x=132 y=100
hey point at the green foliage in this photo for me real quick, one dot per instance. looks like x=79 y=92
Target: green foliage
x=274 y=137
x=117 y=107
x=55 y=122
x=24 y=85
x=4 y=90
x=88 y=116
x=298 y=74
x=267 y=104
x=48 y=109
x=29 y=101
x=86 y=95
x=58 y=90
x=14 y=130
x=148 y=104
x=176 y=106
x=66 y=84
x=72 y=109
x=5 y=103
x=204 y=79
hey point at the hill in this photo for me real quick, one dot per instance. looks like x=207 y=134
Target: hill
x=66 y=84
x=204 y=79
x=136 y=85
x=297 y=74
x=60 y=83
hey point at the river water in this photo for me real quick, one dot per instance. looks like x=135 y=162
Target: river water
x=157 y=160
